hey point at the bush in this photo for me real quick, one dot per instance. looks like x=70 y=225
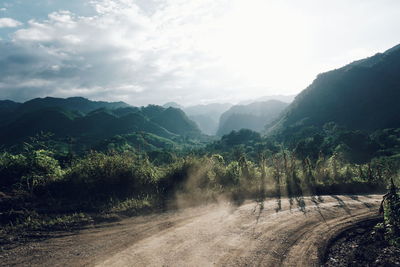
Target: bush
x=12 y=168
x=391 y=212
x=99 y=176
x=29 y=171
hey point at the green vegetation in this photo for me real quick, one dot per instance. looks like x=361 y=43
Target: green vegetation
x=363 y=95
x=391 y=216
x=79 y=125
x=40 y=189
x=50 y=181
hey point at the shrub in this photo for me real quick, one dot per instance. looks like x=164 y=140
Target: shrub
x=391 y=212
x=29 y=171
x=100 y=176
x=12 y=168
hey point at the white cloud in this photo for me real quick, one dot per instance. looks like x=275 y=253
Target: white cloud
x=9 y=23
x=3 y=9
x=121 y=49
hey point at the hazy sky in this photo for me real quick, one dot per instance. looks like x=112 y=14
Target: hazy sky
x=188 y=51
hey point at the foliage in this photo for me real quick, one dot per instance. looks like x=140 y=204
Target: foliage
x=30 y=170
x=352 y=145
x=100 y=176
x=362 y=96
x=94 y=124
x=391 y=212
x=242 y=165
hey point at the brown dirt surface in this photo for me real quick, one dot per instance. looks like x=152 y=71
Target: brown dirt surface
x=253 y=234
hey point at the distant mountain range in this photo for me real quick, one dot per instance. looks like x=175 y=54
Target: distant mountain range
x=363 y=95
x=282 y=98
x=206 y=116
x=90 y=120
x=253 y=116
x=10 y=110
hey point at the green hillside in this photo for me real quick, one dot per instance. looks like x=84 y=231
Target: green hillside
x=175 y=121
x=363 y=95
x=91 y=122
x=72 y=103
x=7 y=108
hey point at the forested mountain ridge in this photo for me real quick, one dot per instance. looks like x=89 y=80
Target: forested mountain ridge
x=10 y=111
x=283 y=98
x=72 y=103
x=8 y=105
x=90 y=121
x=363 y=95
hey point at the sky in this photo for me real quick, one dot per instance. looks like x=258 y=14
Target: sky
x=187 y=51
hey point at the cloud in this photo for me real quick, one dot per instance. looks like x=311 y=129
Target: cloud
x=9 y=22
x=120 y=53
x=155 y=51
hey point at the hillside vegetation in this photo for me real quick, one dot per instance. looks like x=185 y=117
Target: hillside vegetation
x=81 y=124
x=363 y=95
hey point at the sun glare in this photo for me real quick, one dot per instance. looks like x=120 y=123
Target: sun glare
x=259 y=43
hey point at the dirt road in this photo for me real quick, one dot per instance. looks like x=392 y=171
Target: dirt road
x=254 y=234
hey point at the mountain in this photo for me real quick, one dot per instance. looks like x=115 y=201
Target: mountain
x=53 y=120
x=95 y=125
x=104 y=125
x=91 y=121
x=207 y=116
x=7 y=108
x=72 y=103
x=282 y=98
x=75 y=104
x=176 y=121
x=172 y=104
x=205 y=123
x=363 y=95
x=253 y=116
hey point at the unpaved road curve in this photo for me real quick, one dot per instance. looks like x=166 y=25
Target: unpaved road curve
x=214 y=235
